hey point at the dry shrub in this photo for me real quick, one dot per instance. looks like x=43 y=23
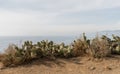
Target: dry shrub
x=10 y=56
x=100 y=48
x=78 y=48
x=7 y=58
x=81 y=46
x=1 y=56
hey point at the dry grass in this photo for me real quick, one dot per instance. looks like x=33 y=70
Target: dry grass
x=10 y=57
x=100 y=48
x=81 y=46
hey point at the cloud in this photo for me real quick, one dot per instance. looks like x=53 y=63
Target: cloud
x=60 y=5
x=54 y=30
x=26 y=17
x=48 y=17
x=16 y=23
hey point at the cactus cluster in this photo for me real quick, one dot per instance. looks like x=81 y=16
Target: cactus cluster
x=115 y=46
x=29 y=51
x=98 y=47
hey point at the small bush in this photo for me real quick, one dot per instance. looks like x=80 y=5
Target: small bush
x=12 y=56
x=80 y=46
x=100 y=48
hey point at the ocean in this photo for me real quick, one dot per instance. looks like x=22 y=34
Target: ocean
x=6 y=41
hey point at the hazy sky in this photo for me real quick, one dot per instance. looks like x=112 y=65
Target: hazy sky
x=57 y=17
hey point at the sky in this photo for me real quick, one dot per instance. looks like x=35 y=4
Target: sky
x=57 y=17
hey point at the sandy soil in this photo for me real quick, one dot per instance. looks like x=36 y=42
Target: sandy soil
x=84 y=65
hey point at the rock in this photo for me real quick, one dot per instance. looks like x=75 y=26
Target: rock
x=78 y=62
x=92 y=68
x=108 y=68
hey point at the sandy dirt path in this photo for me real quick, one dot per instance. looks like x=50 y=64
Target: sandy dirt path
x=77 y=65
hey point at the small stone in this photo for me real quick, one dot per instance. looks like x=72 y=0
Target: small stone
x=92 y=68
x=77 y=62
x=108 y=68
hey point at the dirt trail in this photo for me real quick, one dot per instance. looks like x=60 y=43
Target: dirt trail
x=77 y=65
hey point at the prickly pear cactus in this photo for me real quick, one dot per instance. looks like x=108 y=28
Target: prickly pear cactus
x=115 y=48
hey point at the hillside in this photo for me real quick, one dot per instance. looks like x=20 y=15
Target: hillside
x=106 y=32
x=84 y=65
